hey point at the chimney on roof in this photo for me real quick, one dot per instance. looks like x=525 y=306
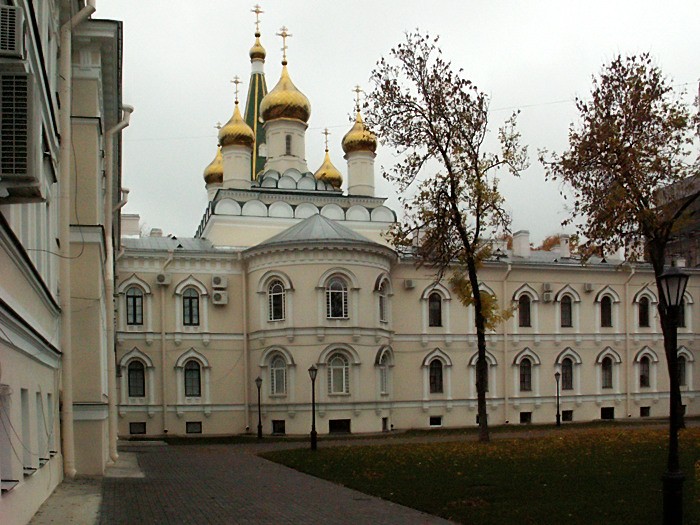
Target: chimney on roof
x=130 y=224
x=521 y=244
x=564 y=248
x=156 y=232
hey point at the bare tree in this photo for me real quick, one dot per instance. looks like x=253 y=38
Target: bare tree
x=437 y=121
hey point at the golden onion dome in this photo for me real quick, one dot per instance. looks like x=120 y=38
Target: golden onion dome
x=257 y=51
x=329 y=173
x=359 y=138
x=214 y=172
x=285 y=101
x=236 y=131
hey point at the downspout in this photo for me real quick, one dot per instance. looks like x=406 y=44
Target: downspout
x=627 y=343
x=65 y=67
x=505 y=347
x=109 y=212
x=246 y=359
x=163 y=377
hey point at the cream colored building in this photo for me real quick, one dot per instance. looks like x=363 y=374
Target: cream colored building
x=287 y=271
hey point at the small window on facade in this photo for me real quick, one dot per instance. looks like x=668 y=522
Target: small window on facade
x=644 y=372
x=644 y=411
x=435 y=309
x=566 y=312
x=190 y=307
x=567 y=415
x=567 y=374
x=193 y=386
x=339 y=426
x=525 y=375
x=606 y=312
x=681 y=314
x=607 y=413
x=288 y=145
x=338 y=374
x=136 y=379
x=278 y=427
x=278 y=376
x=643 y=309
x=136 y=428
x=435 y=372
x=435 y=421
x=681 y=365
x=276 y=301
x=385 y=424
x=525 y=418
x=383 y=302
x=336 y=299
x=607 y=372
x=524 y=320
x=193 y=427
x=384 y=373
x=134 y=306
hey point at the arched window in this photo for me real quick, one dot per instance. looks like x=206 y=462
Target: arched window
x=288 y=145
x=190 y=307
x=607 y=371
x=643 y=312
x=338 y=374
x=606 y=312
x=682 y=375
x=383 y=298
x=644 y=367
x=524 y=311
x=566 y=312
x=526 y=374
x=134 y=306
x=435 y=309
x=336 y=299
x=137 y=379
x=278 y=375
x=384 y=373
x=681 y=314
x=436 y=377
x=567 y=374
x=276 y=301
x=193 y=383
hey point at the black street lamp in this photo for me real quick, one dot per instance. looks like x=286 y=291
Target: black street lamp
x=557 y=375
x=258 y=383
x=672 y=283
x=312 y=374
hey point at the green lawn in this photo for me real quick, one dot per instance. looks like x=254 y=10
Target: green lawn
x=572 y=476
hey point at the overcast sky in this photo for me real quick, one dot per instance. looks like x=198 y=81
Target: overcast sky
x=180 y=55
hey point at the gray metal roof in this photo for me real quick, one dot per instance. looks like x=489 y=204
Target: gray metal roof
x=185 y=244
x=316 y=229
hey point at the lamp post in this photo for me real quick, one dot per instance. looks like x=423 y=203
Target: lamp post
x=312 y=374
x=258 y=383
x=557 y=375
x=672 y=284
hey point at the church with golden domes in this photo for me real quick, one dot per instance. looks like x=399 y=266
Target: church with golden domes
x=288 y=272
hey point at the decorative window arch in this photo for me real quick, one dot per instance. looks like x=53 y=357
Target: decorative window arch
x=568 y=364
x=137 y=356
x=192 y=370
x=685 y=321
x=276 y=301
x=339 y=288
x=274 y=289
x=526 y=299
x=339 y=374
x=645 y=365
x=278 y=366
x=136 y=378
x=437 y=377
x=607 y=301
x=568 y=302
x=644 y=301
x=491 y=376
x=132 y=308
x=608 y=370
x=436 y=307
x=526 y=365
x=278 y=375
x=382 y=288
x=384 y=362
x=685 y=368
x=191 y=305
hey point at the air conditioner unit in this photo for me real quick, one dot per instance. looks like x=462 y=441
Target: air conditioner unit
x=11 y=31
x=547 y=287
x=588 y=287
x=408 y=284
x=164 y=279
x=547 y=297
x=219 y=282
x=219 y=297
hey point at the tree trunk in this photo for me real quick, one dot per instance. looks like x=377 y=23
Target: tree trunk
x=481 y=365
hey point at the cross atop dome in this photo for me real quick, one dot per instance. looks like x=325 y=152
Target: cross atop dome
x=357 y=90
x=256 y=9
x=236 y=81
x=326 y=133
x=284 y=34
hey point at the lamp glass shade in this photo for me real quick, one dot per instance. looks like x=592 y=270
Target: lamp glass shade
x=557 y=375
x=312 y=372
x=258 y=381
x=673 y=284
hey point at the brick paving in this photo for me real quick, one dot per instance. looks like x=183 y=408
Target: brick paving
x=229 y=484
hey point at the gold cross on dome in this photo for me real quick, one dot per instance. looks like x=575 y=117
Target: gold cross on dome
x=357 y=89
x=236 y=80
x=218 y=125
x=284 y=34
x=256 y=9
x=326 y=133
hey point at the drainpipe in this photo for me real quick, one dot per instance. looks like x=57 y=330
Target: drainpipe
x=505 y=346
x=109 y=212
x=246 y=359
x=627 y=342
x=163 y=377
x=65 y=66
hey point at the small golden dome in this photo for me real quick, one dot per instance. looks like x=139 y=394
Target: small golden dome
x=257 y=51
x=236 y=131
x=328 y=173
x=359 y=138
x=285 y=101
x=214 y=172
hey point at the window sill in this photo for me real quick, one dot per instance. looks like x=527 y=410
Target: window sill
x=28 y=471
x=278 y=396
x=339 y=394
x=337 y=318
x=8 y=484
